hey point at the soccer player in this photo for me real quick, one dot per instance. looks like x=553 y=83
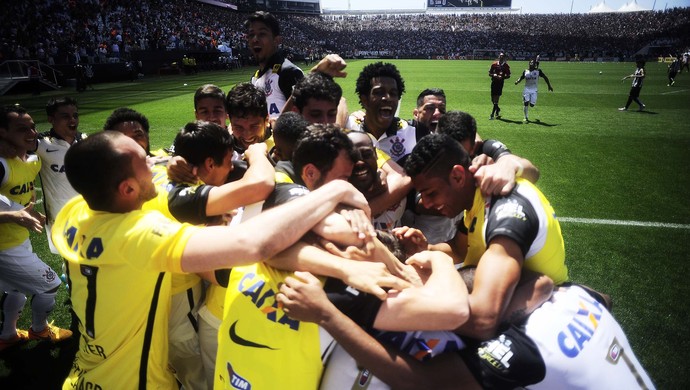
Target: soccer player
x=209 y=105
x=109 y=241
x=380 y=87
x=287 y=130
x=276 y=75
x=529 y=93
x=255 y=331
x=51 y=146
x=673 y=69
x=23 y=273
x=246 y=107
x=505 y=233
x=208 y=146
x=637 y=80
x=316 y=97
x=499 y=71
x=431 y=104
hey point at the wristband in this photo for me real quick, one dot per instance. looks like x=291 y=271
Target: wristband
x=520 y=169
x=495 y=149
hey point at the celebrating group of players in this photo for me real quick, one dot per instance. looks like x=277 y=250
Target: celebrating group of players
x=246 y=255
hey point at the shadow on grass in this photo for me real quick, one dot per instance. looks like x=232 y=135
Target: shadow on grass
x=534 y=122
x=38 y=364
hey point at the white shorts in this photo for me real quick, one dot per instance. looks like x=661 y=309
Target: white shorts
x=529 y=96
x=23 y=271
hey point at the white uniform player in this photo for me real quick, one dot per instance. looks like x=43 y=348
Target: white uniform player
x=529 y=93
x=277 y=82
x=397 y=142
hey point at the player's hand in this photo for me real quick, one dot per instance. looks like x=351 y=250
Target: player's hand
x=331 y=65
x=349 y=195
x=360 y=223
x=496 y=179
x=411 y=239
x=302 y=298
x=371 y=278
x=258 y=150
x=180 y=171
x=30 y=218
x=358 y=115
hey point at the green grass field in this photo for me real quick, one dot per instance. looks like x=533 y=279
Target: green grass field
x=618 y=180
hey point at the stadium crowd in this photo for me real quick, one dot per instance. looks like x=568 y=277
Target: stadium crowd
x=107 y=30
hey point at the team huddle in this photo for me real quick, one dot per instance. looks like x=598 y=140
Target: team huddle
x=285 y=242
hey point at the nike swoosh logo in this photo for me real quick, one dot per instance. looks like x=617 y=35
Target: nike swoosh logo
x=244 y=342
x=51 y=150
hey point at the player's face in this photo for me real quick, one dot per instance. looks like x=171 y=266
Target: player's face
x=341 y=169
x=531 y=66
x=437 y=194
x=431 y=109
x=135 y=131
x=320 y=111
x=382 y=102
x=283 y=149
x=365 y=169
x=20 y=132
x=249 y=130
x=211 y=110
x=141 y=167
x=261 y=41
x=65 y=121
x=218 y=176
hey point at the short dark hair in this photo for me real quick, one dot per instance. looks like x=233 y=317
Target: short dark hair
x=208 y=91
x=125 y=114
x=378 y=69
x=458 y=125
x=266 y=18
x=95 y=169
x=5 y=114
x=55 y=103
x=320 y=145
x=244 y=99
x=435 y=155
x=430 y=91
x=198 y=140
x=318 y=86
x=290 y=126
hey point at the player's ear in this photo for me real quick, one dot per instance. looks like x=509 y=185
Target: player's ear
x=126 y=188
x=458 y=175
x=209 y=164
x=415 y=113
x=310 y=173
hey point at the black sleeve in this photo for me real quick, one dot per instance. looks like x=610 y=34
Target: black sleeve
x=509 y=361
x=514 y=217
x=283 y=193
x=288 y=78
x=495 y=149
x=361 y=307
x=188 y=204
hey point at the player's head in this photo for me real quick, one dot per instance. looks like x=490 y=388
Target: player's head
x=431 y=104
x=263 y=35
x=324 y=153
x=248 y=113
x=209 y=104
x=207 y=146
x=501 y=57
x=131 y=123
x=316 y=97
x=438 y=166
x=640 y=63
x=288 y=129
x=17 y=128
x=380 y=88
x=110 y=171
x=365 y=170
x=532 y=65
x=63 y=116
x=460 y=126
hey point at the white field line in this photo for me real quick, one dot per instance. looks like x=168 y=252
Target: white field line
x=592 y=221
x=676 y=91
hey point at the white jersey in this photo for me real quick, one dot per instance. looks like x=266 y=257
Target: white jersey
x=277 y=82
x=582 y=345
x=397 y=142
x=56 y=188
x=343 y=372
x=531 y=79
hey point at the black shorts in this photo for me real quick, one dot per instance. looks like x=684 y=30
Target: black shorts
x=635 y=92
x=497 y=88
